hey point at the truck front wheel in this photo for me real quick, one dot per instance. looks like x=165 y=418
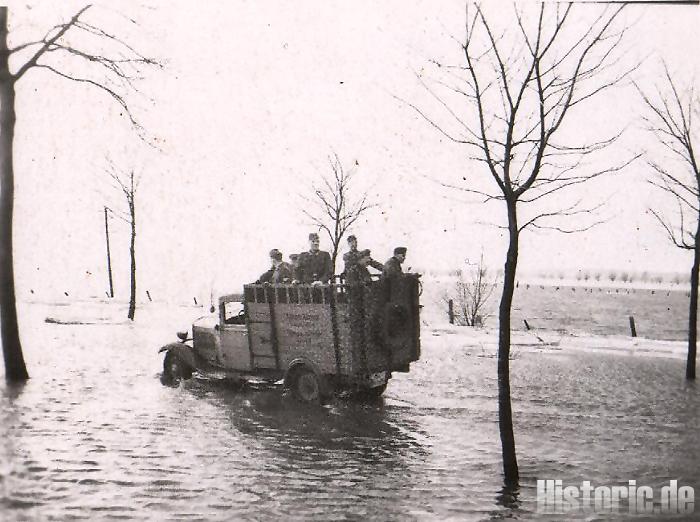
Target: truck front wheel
x=174 y=369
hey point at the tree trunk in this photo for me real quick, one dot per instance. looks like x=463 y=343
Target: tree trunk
x=334 y=256
x=109 y=257
x=505 y=415
x=15 y=368
x=132 y=252
x=693 y=315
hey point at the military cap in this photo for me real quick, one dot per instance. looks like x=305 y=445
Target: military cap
x=293 y=257
x=352 y=238
x=400 y=250
x=313 y=235
x=275 y=254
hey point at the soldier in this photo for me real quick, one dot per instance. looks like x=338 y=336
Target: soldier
x=392 y=268
x=351 y=256
x=314 y=265
x=357 y=273
x=280 y=272
x=294 y=261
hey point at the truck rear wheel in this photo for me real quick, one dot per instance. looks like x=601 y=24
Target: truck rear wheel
x=174 y=369
x=306 y=386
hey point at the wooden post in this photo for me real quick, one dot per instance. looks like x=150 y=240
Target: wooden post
x=451 y=311
x=526 y=325
x=149 y=296
x=109 y=259
x=633 y=330
x=195 y=300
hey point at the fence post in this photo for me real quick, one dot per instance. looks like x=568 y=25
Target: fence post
x=633 y=329
x=451 y=311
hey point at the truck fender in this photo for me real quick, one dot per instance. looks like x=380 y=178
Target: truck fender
x=182 y=351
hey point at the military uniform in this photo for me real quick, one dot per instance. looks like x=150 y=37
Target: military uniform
x=357 y=274
x=314 y=266
x=392 y=268
x=282 y=273
x=351 y=256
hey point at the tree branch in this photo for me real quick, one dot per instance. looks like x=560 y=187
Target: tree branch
x=48 y=43
x=104 y=88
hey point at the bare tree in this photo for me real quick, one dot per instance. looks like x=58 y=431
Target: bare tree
x=333 y=208
x=117 y=73
x=670 y=120
x=522 y=83
x=128 y=184
x=472 y=291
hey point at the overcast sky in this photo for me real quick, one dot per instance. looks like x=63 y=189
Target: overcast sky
x=252 y=98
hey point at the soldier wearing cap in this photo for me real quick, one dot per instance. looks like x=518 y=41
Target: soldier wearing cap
x=357 y=273
x=392 y=268
x=280 y=272
x=351 y=256
x=315 y=264
x=294 y=261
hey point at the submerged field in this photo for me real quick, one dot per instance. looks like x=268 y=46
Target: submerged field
x=659 y=313
x=95 y=435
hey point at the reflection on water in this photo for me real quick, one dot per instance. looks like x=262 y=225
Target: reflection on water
x=95 y=435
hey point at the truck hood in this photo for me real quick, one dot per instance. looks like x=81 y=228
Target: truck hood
x=207 y=321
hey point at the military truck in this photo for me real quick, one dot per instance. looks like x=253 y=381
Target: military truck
x=319 y=339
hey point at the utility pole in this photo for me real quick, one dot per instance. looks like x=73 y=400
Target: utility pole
x=109 y=260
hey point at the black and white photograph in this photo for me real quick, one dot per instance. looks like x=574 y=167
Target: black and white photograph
x=330 y=260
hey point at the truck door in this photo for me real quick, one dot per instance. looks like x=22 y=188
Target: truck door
x=234 y=350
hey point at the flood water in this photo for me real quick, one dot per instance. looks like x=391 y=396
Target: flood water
x=95 y=435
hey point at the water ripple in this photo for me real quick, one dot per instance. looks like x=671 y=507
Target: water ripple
x=94 y=435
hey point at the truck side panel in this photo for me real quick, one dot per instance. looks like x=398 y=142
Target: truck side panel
x=302 y=330
x=349 y=354
x=258 y=312
x=262 y=337
x=305 y=330
x=376 y=326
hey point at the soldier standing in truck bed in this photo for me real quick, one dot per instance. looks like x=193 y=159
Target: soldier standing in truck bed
x=280 y=272
x=351 y=256
x=314 y=265
x=392 y=268
x=357 y=273
x=294 y=263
